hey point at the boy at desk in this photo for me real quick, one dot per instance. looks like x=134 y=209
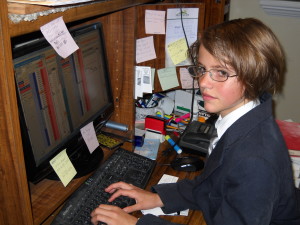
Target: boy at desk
x=247 y=178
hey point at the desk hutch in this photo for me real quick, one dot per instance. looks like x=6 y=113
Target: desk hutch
x=26 y=203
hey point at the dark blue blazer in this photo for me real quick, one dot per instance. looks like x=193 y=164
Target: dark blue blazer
x=247 y=178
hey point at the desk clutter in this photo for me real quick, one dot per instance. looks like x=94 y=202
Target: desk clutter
x=173 y=117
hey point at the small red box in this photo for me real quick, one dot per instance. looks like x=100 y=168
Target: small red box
x=155 y=124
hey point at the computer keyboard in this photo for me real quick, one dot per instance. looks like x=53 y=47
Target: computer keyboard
x=122 y=165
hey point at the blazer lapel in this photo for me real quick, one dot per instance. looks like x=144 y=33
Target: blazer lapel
x=214 y=160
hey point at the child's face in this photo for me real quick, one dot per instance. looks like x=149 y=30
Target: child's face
x=219 y=97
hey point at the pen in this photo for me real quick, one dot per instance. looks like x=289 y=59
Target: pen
x=185 y=116
x=173 y=144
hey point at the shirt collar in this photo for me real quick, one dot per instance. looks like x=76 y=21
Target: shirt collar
x=222 y=124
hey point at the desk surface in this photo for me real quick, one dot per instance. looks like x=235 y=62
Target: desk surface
x=54 y=193
x=162 y=167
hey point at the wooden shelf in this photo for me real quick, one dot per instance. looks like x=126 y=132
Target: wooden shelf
x=81 y=12
x=25 y=203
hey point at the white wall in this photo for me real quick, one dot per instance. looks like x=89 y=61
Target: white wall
x=287 y=29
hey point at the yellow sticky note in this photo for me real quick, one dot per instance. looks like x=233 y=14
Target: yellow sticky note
x=63 y=167
x=178 y=51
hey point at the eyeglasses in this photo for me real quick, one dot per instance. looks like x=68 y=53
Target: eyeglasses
x=215 y=74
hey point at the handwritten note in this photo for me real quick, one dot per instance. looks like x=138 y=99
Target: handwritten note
x=89 y=136
x=155 y=22
x=176 y=18
x=145 y=49
x=178 y=50
x=187 y=80
x=57 y=34
x=63 y=167
x=168 y=78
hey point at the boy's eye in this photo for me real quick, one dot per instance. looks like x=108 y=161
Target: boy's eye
x=222 y=73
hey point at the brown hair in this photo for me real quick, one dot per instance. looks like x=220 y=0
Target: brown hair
x=252 y=49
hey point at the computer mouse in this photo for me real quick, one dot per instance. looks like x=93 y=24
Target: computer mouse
x=187 y=163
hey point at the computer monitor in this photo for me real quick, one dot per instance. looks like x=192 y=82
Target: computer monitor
x=57 y=97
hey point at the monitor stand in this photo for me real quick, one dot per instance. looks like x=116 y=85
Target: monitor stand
x=83 y=161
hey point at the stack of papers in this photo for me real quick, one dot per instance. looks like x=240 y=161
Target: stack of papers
x=149 y=148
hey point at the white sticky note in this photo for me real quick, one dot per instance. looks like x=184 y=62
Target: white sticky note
x=57 y=34
x=187 y=80
x=89 y=136
x=155 y=22
x=63 y=167
x=145 y=49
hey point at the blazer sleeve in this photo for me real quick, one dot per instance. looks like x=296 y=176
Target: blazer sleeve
x=177 y=196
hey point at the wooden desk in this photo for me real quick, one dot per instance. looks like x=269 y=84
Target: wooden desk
x=162 y=167
x=55 y=190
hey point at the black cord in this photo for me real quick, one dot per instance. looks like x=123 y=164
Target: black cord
x=169 y=150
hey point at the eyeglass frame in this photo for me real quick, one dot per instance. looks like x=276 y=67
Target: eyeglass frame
x=207 y=71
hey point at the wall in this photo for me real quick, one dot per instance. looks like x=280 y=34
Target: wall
x=287 y=29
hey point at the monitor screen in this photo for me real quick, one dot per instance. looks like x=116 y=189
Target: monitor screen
x=57 y=97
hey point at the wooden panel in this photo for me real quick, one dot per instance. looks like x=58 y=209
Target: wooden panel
x=120 y=45
x=159 y=40
x=18 y=8
x=215 y=12
x=14 y=195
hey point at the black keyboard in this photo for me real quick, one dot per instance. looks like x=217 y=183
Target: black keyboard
x=122 y=165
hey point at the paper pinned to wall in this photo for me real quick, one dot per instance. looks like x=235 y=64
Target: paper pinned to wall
x=174 y=30
x=168 y=78
x=145 y=50
x=178 y=51
x=155 y=22
x=143 y=81
x=187 y=80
